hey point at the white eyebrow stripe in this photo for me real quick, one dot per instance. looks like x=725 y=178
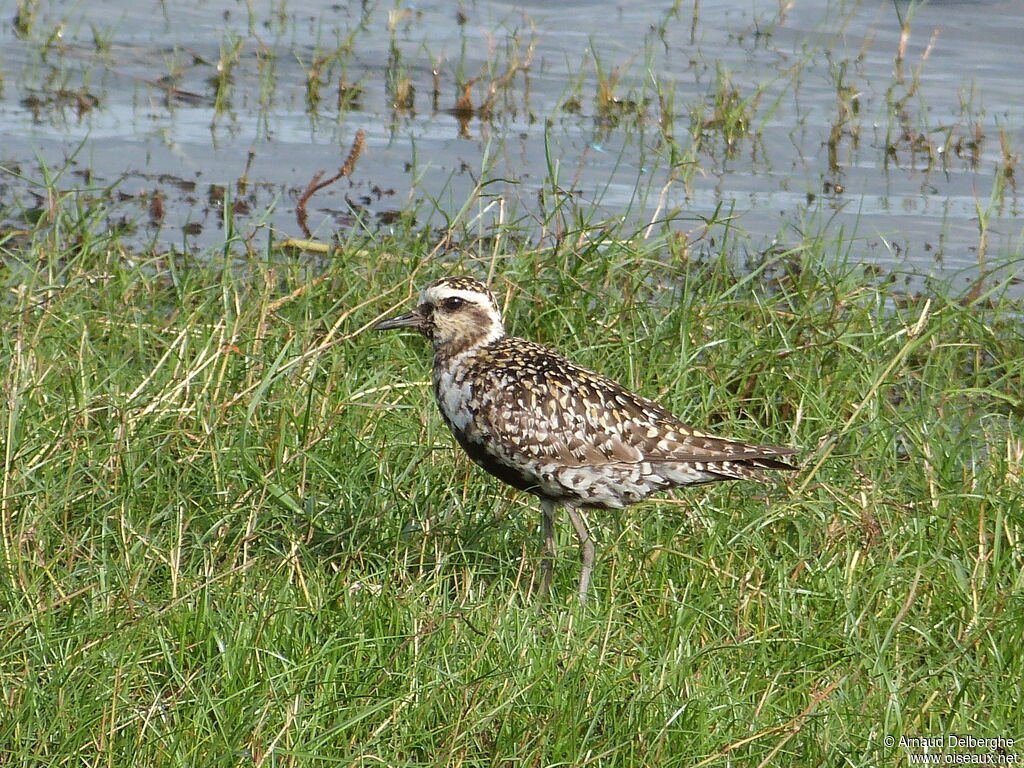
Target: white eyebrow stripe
x=437 y=293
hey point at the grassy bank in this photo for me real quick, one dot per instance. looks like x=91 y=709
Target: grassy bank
x=235 y=531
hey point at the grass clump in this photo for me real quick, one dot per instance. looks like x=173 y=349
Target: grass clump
x=234 y=530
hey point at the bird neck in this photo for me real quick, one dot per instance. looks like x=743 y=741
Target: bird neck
x=465 y=343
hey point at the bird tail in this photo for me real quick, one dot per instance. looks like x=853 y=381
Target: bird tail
x=751 y=469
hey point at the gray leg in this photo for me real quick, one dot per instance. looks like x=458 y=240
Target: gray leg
x=586 y=550
x=547 y=564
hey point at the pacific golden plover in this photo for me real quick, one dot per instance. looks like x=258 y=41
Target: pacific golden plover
x=545 y=425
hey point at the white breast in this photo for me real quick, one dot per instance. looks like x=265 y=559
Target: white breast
x=453 y=398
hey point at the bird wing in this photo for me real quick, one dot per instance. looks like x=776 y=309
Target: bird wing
x=551 y=408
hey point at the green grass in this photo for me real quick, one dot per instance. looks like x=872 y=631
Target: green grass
x=235 y=531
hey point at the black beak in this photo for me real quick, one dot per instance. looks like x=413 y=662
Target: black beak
x=409 y=320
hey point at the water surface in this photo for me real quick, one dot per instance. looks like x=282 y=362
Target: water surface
x=808 y=118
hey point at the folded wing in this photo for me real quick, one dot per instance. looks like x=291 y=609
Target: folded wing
x=552 y=409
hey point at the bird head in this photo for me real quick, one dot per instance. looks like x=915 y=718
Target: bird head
x=455 y=313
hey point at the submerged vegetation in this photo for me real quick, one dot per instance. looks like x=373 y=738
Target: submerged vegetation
x=233 y=529
x=838 y=117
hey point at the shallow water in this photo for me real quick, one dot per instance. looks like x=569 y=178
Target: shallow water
x=127 y=96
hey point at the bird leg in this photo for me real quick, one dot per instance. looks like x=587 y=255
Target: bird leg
x=586 y=550
x=547 y=564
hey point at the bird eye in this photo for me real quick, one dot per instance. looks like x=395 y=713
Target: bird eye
x=453 y=303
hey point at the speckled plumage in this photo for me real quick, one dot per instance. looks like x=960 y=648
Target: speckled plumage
x=545 y=425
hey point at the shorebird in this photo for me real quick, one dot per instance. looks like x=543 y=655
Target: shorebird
x=545 y=425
